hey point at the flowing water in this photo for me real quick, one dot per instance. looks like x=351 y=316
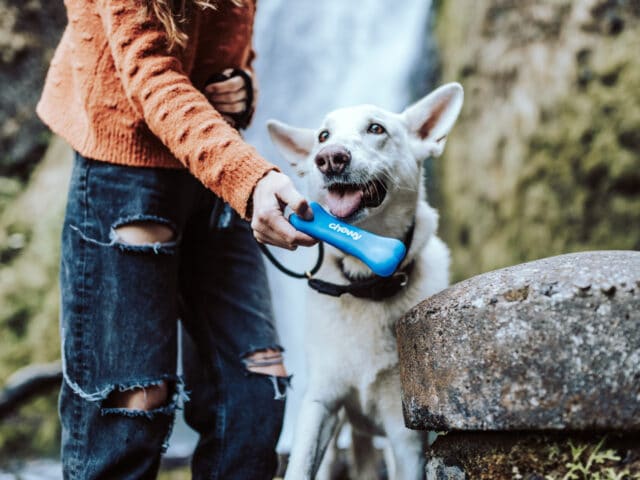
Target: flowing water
x=315 y=56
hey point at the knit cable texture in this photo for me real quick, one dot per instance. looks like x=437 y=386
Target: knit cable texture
x=116 y=94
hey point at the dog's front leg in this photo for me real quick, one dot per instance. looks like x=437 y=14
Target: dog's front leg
x=317 y=423
x=408 y=453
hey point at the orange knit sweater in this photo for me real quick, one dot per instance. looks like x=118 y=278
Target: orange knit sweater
x=116 y=94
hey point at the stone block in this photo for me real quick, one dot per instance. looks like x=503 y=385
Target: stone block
x=549 y=345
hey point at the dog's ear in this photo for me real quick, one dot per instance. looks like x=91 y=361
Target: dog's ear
x=293 y=143
x=431 y=118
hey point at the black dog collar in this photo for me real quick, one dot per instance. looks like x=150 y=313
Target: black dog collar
x=373 y=288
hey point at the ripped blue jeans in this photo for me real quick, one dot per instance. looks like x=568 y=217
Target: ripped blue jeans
x=120 y=305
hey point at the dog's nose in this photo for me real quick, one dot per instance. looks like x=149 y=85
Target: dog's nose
x=333 y=159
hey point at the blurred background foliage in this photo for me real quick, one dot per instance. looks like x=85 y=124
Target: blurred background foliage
x=544 y=160
x=33 y=179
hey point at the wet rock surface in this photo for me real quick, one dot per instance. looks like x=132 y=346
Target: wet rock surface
x=552 y=344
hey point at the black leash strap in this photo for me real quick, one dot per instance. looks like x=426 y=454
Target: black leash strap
x=291 y=273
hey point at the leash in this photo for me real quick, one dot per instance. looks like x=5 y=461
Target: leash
x=308 y=274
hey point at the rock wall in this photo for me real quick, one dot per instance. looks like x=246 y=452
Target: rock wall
x=29 y=32
x=545 y=158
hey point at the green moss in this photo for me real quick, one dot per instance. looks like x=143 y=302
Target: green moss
x=548 y=456
x=183 y=473
x=9 y=190
x=32 y=432
x=535 y=168
x=582 y=183
x=591 y=462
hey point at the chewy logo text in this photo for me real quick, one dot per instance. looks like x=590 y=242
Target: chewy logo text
x=340 y=229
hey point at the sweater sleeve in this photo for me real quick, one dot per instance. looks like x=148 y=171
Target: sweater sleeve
x=174 y=110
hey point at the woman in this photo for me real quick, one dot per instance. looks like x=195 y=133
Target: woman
x=148 y=239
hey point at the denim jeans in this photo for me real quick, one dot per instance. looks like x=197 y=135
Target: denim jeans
x=120 y=306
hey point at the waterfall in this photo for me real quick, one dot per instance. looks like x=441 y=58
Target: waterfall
x=313 y=57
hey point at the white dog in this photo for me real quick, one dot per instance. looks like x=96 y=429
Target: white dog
x=364 y=165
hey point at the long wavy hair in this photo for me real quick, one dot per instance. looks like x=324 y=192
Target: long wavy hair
x=174 y=14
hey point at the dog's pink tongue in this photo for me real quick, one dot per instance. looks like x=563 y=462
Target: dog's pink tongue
x=343 y=204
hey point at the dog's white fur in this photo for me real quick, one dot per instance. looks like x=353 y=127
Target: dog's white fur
x=350 y=342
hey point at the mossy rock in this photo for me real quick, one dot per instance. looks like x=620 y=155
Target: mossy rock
x=534 y=456
x=545 y=158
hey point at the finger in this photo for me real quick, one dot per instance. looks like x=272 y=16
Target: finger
x=229 y=120
x=291 y=236
x=301 y=240
x=239 y=96
x=280 y=231
x=305 y=240
x=276 y=230
x=269 y=239
x=230 y=107
x=291 y=197
x=226 y=86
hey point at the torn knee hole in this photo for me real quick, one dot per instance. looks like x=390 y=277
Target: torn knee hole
x=144 y=232
x=266 y=362
x=139 y=398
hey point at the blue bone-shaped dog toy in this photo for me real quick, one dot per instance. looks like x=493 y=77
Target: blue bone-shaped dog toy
x=381 y=254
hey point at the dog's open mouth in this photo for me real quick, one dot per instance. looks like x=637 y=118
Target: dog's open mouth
x=346 y=199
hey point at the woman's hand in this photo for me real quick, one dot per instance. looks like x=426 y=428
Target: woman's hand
x=230 y=96
x=272 y=193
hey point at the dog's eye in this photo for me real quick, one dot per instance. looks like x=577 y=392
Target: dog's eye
x=323 y=136
x=376 y=129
